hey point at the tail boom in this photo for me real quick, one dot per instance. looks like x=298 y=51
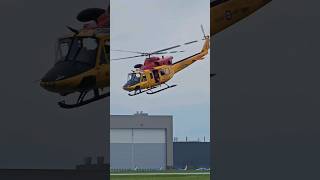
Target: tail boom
x=180 y=65
x=225 y=13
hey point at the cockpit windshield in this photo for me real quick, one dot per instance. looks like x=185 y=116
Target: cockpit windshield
x=79 y=49
x=134 y=78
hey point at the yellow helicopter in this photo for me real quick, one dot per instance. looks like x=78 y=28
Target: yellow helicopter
x=157 y=71
x=224 y=13
x=82 y=60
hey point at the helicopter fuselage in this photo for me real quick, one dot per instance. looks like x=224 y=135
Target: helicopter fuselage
x=75 y=75
x=144 y=79
x=82 y=60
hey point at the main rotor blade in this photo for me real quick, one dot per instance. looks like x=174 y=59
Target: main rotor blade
x=171 y=52
x=162 y=51
x=173 y=47
x=155 y=52
x=187 y=43
x=176 y=51
x=127 y=57
x=137 y=52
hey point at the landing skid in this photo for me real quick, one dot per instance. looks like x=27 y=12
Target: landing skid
x=140 y=91
x=149 y=90
x=137 y=93
x=154 y=92
x=82 y=102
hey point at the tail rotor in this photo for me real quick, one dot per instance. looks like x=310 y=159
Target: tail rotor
x=204 y=33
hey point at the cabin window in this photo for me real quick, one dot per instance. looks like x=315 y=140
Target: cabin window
x=144 y=78
x=162 y=72
x=167 y=71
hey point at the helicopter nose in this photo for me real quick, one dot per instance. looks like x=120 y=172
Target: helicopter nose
x=48 y=85
x=50 y=80
x=125 y=87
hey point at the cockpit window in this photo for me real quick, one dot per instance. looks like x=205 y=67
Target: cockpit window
x=62 y=48
x=134 y=78
x=75 y=47
x=80 y=49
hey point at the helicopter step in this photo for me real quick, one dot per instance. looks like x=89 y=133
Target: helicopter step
x=80 y=102
x=154 y=92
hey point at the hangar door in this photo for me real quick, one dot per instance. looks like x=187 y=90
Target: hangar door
x=137 y=148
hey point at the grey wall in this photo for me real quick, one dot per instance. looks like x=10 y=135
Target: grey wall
x=193 y=154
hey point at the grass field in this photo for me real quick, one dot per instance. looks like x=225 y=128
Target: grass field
x=161 y=177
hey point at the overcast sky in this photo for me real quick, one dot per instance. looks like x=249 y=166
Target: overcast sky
x=34 y=131
x=149 y=25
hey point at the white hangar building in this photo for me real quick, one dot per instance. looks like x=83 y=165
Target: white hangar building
x=141 y=141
